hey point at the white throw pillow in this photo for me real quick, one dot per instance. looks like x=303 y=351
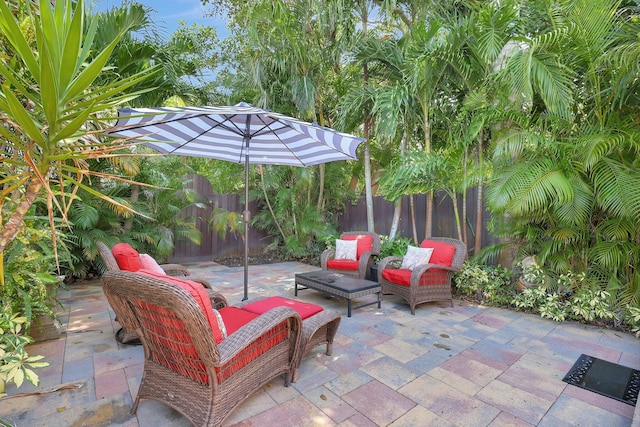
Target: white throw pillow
x=415 y=257
x=221 y=325
x=148 y=263
x=346 y=249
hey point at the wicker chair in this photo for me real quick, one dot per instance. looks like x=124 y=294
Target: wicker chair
x=428 y=282
x=184 y=367
x=364 y=261
x=176 y=270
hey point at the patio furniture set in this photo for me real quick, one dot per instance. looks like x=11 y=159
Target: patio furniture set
x=198 y=348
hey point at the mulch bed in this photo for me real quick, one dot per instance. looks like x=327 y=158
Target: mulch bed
x=260 y=259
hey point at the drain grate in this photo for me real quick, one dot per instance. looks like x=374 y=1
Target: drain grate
x=608 y=379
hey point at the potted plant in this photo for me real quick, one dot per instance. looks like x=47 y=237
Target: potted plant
x=532 y=273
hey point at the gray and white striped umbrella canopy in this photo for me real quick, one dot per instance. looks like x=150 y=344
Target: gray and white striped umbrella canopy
x=233 y=132
x=239 y=134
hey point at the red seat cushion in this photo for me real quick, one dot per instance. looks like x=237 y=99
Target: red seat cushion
x=127 y=258
x=442 y=252
x=365 y=243
x=199 y=293
x=433 y=276
x=343 y=264
x=305 y=310
x=235 y=318
x=397 y=275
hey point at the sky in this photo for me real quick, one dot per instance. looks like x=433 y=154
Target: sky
x=168 y=13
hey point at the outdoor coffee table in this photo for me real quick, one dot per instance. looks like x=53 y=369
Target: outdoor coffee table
x=338 y=285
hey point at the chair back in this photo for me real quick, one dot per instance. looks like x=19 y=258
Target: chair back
x=173 y=328
x=375 y=240
x=107 y=257
x=460 y=253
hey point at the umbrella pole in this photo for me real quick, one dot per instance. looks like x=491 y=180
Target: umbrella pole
x=246 y=215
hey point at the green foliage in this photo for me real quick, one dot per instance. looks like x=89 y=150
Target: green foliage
x=15 y=363
x=571 y=300
x=486 y=283
x=395 y=247
x=29 y=263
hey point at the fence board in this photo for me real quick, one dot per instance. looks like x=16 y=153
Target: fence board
x=354 y=218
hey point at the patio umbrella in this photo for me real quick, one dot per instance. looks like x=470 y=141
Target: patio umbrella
x=240 y=134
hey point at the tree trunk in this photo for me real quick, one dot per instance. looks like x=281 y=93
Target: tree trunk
x=479 y=204
x=397 y=209
x=412 y=209
x=12 y=226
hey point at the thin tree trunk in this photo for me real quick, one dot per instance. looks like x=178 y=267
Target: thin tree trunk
x=428 y=221
x=367 y=129
x=480 y=203
x=465 y=238
x=456 y=213
x=11 y=228
x=397 y=209
x=266 y=199
x=413 y=219
x=320 y=204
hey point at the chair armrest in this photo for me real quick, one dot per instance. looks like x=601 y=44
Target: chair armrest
x=327 y=254
x=390 y=262
x=240 y=339
x=417 y=272
x=218 y=300
x=174 y=270
x=365 y=261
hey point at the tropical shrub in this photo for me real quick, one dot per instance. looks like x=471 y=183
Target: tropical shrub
x=485 y=283
x=15 y=363
x=395 y=247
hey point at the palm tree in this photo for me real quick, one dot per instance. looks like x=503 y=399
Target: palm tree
x=567 y=174
x=50 y=106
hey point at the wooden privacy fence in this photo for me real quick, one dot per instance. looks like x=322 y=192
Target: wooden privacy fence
x=354 y=218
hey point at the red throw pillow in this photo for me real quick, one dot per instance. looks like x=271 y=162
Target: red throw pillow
x=199 y=293
x=442 y=252
x=365 y=243
x=305 y=310
x=127 y=258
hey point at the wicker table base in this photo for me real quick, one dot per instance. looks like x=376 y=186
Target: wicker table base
x=338 y=285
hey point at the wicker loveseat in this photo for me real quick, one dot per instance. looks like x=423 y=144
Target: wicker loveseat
x=368 y=246
x=426 y=282
x=188 y=364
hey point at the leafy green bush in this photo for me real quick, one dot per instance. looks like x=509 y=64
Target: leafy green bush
x=15 y=363
x=487 y=283
x=571 y=298
x=395 y=247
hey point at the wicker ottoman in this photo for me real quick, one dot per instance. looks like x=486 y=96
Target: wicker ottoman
x=319 y=326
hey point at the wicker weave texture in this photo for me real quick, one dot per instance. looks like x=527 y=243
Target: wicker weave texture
x=183 y=363
x=364 y=263
x=429 y=282
x=217 y=299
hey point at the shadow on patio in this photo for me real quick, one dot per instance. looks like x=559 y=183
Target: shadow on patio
x=463 y=366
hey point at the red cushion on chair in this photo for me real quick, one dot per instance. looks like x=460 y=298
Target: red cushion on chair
x=343 y=264
x=442 y=252
x=127 y=258
x=305 y=310
x=235 y=318
x=199 y=293
x=365 y=243
x=397 y=275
